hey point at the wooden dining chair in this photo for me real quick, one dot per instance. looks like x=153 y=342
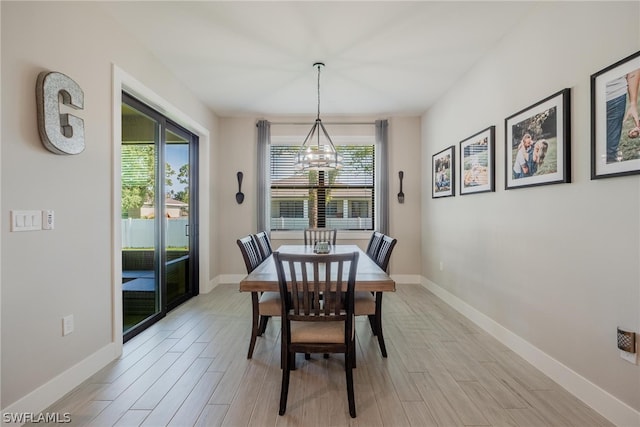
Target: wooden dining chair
x=263 y=304
x=315 y=235
x=264 y=244
x=369 y=303
x=311 y=324
x=374 y=244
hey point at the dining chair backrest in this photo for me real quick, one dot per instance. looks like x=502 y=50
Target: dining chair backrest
x=250 y=252
x=309 y=276
x=264 y=244
x=384 y=252
x=315 y=235
x=374 y=244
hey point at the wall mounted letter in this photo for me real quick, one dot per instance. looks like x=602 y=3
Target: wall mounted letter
x=60 y=133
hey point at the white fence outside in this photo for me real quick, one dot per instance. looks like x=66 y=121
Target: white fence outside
x=139 y=233
x=339 y=223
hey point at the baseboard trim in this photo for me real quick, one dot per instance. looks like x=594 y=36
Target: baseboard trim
x=406 y=278
x=223 y=278
x=600 y=400
x=52 y=391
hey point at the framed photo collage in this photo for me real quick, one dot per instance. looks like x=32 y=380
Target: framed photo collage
x=537 y=142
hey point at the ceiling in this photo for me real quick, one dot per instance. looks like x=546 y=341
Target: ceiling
x=256 y=58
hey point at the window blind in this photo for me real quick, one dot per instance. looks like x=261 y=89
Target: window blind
x=342 y=199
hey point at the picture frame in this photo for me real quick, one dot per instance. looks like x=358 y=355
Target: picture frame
x=443 y=173
x=477 y=162
x=537 y=143
x=615 y=137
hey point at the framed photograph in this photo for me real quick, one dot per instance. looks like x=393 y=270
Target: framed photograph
x=443 y=175
x=537 y=143
x=615 y=129
x=477 y=162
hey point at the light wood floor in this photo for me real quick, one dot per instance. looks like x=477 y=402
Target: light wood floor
x=190 y=369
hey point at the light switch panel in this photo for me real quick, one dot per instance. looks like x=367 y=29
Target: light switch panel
x=26 y=220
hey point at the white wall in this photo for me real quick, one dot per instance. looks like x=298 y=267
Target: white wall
x=556 y=265
x=238 y=142
x=69 y=270
x=238 y=138
x=405 y=219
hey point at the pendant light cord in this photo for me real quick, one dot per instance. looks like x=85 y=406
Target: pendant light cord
x=319 y=65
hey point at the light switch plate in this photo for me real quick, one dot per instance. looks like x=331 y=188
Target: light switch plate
x=26 y=220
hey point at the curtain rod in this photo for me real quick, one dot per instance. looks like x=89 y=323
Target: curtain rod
x=326 y=123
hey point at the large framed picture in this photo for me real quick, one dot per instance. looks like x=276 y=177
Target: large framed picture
x=443 y=175
x=477 y=162
x=537 y=143
x=615 y=129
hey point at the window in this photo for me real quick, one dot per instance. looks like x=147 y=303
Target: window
x=359 y=209
x=290 y=209
x=342 y=199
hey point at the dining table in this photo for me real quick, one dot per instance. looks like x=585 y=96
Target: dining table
x=369 y=276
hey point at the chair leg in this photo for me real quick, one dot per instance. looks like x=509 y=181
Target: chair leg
x=349 y=374
x=283 y=351
x=284 y=388
x=263 y=324
x=353 y=354
x=372 y=322
x=254 y=323
x=378 y=316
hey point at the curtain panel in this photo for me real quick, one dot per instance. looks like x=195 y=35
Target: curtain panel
x=382 y=141
x=264 y=200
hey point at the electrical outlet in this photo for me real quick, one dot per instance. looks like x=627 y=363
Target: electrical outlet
x=67 y=325
x=441 y=266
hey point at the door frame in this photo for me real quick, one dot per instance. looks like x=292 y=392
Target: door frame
x=122 y=81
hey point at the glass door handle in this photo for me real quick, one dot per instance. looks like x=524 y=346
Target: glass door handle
x=186 y=230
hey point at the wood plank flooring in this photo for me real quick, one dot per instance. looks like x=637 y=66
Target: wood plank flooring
x=190 y=369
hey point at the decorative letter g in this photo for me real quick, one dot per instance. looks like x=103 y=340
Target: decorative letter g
x=60 y=133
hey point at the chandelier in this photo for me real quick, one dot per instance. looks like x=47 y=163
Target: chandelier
x=313 y=154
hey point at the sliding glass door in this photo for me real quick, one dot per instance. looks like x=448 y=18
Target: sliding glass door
x=159 y=215
x=176 y=242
